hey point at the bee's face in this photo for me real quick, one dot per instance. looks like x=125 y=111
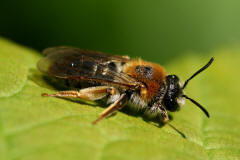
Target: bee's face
x=173 y=99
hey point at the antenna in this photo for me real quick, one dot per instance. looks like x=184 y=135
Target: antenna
x=199 y=71
x=198 y=105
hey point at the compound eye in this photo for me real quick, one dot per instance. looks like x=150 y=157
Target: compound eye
x=171 y=105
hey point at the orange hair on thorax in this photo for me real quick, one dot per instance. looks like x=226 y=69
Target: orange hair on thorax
x=150 y=74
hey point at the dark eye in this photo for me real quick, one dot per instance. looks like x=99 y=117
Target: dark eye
x=173 y=92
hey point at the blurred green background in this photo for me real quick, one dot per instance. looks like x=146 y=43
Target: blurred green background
x=157 y=30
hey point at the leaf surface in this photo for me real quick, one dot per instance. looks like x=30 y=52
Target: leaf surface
x=33 y=127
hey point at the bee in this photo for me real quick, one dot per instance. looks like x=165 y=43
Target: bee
x=143 y=85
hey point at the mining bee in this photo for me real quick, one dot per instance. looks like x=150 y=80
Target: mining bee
x=143 y=85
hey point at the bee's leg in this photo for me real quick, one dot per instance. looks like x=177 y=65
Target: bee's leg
x=157 y=110
x=91 y=93
x=163 y=113
x=117 y=105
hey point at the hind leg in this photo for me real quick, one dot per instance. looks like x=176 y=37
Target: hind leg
x=91 y=93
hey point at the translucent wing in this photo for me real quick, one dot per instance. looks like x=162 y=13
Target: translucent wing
x=67 y=62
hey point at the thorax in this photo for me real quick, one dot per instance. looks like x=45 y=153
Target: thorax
x=150 y=74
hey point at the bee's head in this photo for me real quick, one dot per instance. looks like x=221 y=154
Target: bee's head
x=174 y=97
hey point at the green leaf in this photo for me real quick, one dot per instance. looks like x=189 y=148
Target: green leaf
x=33 y=127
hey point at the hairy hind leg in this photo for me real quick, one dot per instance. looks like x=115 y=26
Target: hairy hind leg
x=91 y=93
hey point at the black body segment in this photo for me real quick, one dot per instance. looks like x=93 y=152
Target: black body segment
x=173 y=92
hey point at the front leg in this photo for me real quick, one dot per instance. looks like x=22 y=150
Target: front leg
x=163 y=113
x=91 y=93
x=158 y=110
